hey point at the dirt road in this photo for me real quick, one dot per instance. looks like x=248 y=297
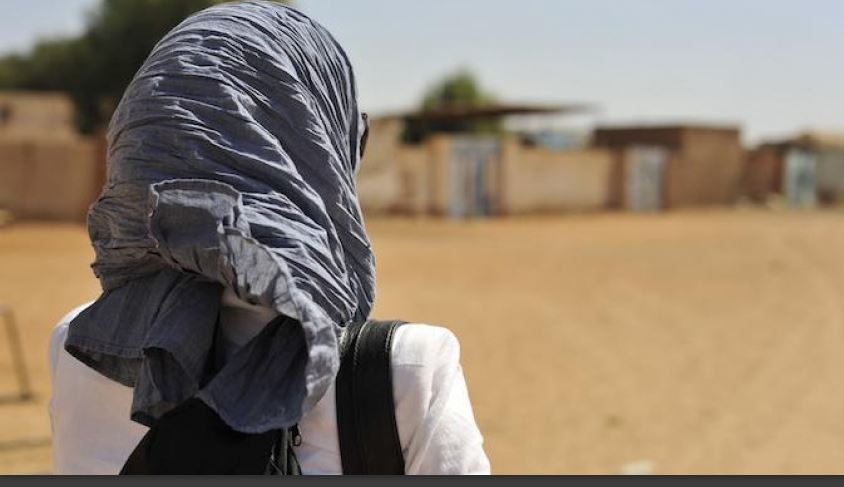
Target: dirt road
x=706 y=342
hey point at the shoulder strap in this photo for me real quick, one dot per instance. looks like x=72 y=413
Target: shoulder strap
x=366 y=415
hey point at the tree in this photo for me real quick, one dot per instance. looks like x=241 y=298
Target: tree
x=95 y=68
x=456 y=91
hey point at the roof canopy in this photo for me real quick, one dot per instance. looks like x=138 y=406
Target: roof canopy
x=492 y=111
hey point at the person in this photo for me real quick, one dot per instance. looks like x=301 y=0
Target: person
x=230 y=203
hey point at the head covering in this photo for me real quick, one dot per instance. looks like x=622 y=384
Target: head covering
x=231 y=163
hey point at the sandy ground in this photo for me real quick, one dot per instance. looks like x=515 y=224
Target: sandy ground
x=706 y=342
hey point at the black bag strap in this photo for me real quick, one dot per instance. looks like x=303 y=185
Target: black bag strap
x=283 y=460
x=366 y=414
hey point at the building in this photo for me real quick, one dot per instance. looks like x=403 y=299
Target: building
x=806 y=170
x=464 y=175
x=47 y=170
x=674 y=166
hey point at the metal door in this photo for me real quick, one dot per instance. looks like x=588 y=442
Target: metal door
x=645 y=178
x=801 y=178
x=473 y=159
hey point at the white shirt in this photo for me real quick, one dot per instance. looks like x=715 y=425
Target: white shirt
x=93 y=435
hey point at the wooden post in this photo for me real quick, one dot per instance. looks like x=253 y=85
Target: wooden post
x=18 y=362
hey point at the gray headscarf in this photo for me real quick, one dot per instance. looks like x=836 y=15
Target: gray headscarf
x=231 y=163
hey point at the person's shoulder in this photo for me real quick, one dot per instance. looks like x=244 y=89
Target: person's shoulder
x=71 y=315
x=59 y=333
x=60 y=329
x=424 y=345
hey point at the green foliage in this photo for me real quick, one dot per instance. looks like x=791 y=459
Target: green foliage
x=456 y=91
x=95 y=68
x=12 y=68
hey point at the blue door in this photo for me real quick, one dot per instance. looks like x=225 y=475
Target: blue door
x=473 y=159
x=645 y=178
x=801 y=178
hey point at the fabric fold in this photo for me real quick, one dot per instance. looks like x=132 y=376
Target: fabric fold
x=231 y=164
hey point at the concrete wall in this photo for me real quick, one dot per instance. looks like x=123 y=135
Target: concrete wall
x=378 y=179
x=438 y=181
x=542 y=180
x=47 y=171
x=414 y=180
x=48 y=178
x=399 y=178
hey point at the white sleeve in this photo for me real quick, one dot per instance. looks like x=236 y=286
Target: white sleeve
x=89 y=414
x=434 y=415
x=57 y=339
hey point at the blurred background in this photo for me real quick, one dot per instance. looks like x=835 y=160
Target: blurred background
x=629 y=212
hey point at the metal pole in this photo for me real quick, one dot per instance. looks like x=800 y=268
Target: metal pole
x=18 y=362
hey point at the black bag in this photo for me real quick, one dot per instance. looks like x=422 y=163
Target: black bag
x=192 y=439
x=366 y=413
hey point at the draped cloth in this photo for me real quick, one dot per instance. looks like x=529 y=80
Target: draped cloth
x=231 y=164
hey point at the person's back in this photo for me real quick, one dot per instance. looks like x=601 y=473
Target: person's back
x=93 y=435
x=232 y=253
